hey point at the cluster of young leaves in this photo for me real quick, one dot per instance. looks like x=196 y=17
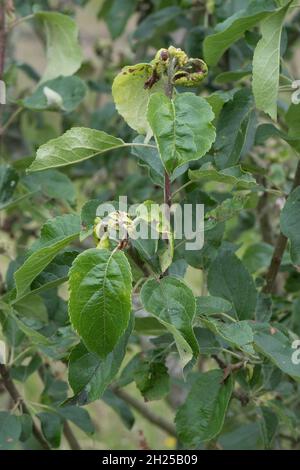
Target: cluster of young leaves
x=209 y=310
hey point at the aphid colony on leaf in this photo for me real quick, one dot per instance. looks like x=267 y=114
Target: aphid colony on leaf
x=186 y=71
x=119 y=228
x=134 y=85
x=117 y=222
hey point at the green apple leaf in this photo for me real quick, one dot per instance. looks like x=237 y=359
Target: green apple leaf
x=202 y=415
x=182 y=128
x=100 y=298
x=233 y=28
x=173 y=304
x=131 y=97
x=76 y=145
x=266 y=63
x=63 y=54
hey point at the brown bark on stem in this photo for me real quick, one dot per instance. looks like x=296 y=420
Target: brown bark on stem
x=169 y=93
x=70 y=437
x=158 y=421
x=279 y=249
x=68 y=433
x=19 y=401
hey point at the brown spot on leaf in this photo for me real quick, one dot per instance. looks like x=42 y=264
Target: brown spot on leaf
x=151 y=80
